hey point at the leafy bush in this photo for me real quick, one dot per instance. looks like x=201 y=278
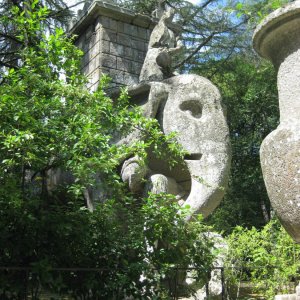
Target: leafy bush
x=136 y=246
x=268 y=258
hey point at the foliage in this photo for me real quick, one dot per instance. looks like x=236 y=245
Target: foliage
x=133 y=248
x=10 y=43
x=250 y=96
x=52 y=124
x=257 y=10
x=268 y=258
x=208 y=29
x=212 y=29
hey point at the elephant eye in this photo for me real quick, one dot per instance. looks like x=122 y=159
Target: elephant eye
x=193 y=107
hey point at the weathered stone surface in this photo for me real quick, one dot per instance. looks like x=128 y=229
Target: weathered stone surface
x=105 y=46
x=286 y=297
x=133 y=172
x=280 y=160
x=152 y=70
x=162 y=46
x=295 y=296
x=117 y=49
x=114 y=34
x=109 y=35
x=191 y=106
x=193 y=109
x=278 y=36
x=278 y=39
x=109 y=61
x=130 y=79
x=215 y=287
x=159 y=183
x=298 y=292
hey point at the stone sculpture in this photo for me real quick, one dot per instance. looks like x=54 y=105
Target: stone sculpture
x=163 y=44
x=191 y=106
x=159 y=11
x=277 y=38
x=215 y=288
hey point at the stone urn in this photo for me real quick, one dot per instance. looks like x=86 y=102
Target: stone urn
x=277 y=39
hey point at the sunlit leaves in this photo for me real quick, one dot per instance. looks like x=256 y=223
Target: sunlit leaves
x=268 y=258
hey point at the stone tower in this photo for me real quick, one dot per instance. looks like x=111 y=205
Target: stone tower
x=114 y=41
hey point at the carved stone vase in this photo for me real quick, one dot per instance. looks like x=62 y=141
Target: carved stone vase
x=277 y=38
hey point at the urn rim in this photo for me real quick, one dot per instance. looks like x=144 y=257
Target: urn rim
x=274 y=21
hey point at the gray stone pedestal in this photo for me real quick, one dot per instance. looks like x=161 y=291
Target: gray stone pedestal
x=295 y=296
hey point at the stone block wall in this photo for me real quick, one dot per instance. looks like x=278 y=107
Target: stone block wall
x=114 y=42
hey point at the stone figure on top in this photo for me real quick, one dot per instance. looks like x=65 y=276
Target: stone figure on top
x=164 y=43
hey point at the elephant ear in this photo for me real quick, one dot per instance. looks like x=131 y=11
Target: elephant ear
x=193 y=109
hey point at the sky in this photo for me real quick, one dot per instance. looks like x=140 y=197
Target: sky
x=71 y=2
x=194 y=1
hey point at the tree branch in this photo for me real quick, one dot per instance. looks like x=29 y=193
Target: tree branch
x=7 y=36
x=195 y=51
x=206 y=3
x=65 y=9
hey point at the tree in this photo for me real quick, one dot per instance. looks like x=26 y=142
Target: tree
x=268 y=258
x=212 y=29
x=10 y=42
x=52 y=122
